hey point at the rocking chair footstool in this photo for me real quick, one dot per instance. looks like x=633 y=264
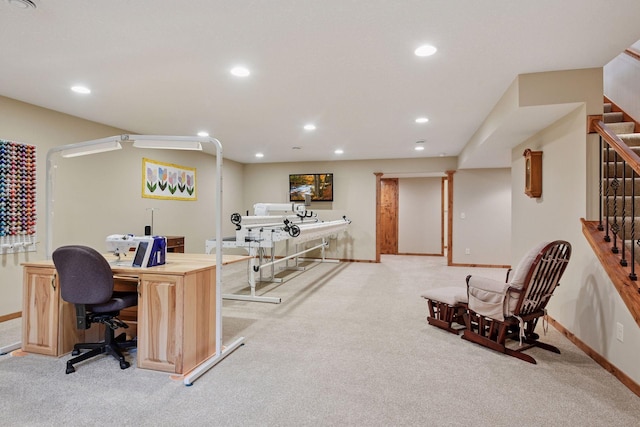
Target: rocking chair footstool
x=447 y=306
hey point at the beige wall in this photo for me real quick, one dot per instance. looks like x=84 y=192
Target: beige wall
x=354 y=194
x=45 y=129
x=100 y=194
x=482 y=216
x=420 y=216
x=586 y=303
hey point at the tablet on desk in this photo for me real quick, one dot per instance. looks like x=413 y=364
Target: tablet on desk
x=141 y=258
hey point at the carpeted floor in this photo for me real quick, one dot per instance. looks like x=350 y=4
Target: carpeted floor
x=348 y=346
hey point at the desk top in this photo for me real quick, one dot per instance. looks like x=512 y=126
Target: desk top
x=176 y=264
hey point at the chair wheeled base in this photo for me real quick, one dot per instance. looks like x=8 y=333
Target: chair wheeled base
x=111 y=344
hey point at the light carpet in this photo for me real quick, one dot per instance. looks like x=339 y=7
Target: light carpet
x=348 y=346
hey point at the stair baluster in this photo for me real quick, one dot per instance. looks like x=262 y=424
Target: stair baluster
x=600 y=178
x=632 y=249
x=623 y=222
x=613 y=186
x=607 y=165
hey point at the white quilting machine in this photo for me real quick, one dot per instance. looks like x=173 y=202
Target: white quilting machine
x=261 y=232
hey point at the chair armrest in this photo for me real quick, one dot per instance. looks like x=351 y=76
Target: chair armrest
x=487 y=296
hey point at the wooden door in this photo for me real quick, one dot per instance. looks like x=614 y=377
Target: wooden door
x=389 y=216
x=160 y=314
x=40 y=311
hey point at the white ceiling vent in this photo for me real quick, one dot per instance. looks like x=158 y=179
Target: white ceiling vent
x=23 y=4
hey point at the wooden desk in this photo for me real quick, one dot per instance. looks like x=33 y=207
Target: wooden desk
x=176 y=311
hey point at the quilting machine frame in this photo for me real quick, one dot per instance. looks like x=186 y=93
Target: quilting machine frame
x=258 y=233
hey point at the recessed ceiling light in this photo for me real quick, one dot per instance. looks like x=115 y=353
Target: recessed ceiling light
x=339 y=151
x=422 y=120
x=81 y=89
x=240 y=71
x=203 y=133
x=425 y=50
x=442 y=154
x=310 y=126
x=23 y=4
x=259 y=155
x=419 y=147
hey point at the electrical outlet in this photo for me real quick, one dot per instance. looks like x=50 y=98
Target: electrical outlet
x=620 y=332
x=467 y=251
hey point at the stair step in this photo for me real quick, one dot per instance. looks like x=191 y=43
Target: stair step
x=607 y=107
x=627 y=228
x=631 y=139
x=622 y=127
x=613 y=117
x=628 y=188
x=615 y=170
x=622 y=202
x=612 y=153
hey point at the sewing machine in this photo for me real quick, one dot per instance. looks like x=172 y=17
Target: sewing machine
x=148 y=251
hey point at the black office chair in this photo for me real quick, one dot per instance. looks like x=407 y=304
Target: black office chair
x=86 y=281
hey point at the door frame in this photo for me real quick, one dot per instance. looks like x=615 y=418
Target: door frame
x=449 y=176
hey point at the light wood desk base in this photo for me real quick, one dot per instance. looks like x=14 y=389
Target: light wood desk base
x=176 y=319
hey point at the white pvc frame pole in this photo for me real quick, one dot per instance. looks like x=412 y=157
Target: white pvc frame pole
x=220 y=354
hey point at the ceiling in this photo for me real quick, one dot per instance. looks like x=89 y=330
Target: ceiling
x=162 y=67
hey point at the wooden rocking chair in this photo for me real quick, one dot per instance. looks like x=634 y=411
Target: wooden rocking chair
x=499 y=311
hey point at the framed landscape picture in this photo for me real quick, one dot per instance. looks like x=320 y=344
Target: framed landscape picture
x=318 y=185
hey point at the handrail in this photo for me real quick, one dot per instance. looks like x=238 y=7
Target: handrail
x=609 y=189
x=614 y=141
x=633 y=53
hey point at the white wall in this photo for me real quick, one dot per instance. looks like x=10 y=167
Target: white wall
x=420 y=216
x=482 y=216
x=622 y=83
x=586 y=303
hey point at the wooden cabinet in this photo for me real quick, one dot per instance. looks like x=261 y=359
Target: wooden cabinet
x=532 y=173
x=179 y=328
x=48 y=322
x=40 y=311
x=175 y=244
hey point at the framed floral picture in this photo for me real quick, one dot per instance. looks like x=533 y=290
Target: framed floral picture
x=168 y=181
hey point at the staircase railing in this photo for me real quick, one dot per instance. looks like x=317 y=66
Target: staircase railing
x=619 y=167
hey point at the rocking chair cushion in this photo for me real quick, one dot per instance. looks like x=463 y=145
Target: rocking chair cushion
x=451 y=295
x=520 y=273
x=488 y=297
x=495 y=299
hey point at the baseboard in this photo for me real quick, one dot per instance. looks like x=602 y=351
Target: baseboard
x=10 y=316
x=421 y=254
x=621 y=376
x=453 y=264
